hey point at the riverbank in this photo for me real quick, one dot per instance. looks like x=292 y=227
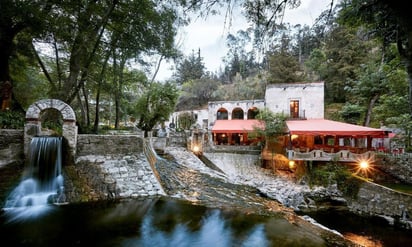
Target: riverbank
x=189 y=179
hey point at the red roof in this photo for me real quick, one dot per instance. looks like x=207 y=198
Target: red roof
x=329 y=127
x=236 y=126
x=300 y=127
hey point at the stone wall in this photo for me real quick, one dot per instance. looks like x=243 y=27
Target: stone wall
x=11 y=147
x=110 y=167
x=108 y=145
x=398 y=166
x=33 y=126
x=373 y=199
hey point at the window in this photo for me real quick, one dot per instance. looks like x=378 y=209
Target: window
x=294 y=108
x=222 y=114
x=252 y=113
x=237 y=113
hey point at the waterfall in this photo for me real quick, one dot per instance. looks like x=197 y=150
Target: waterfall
x=42 y=181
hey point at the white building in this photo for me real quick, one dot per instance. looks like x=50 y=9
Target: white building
x=296 y=100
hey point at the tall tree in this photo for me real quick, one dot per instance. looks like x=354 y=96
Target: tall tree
x=155 y=105
x=190 y=68
x=17 y=17
x=75 y=32
x=388 y=20
x=197 y=93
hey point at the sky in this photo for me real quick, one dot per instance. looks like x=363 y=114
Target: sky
x=210 y=35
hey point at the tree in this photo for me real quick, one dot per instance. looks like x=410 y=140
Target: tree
x=387 y=20
x=77 y=35
x=284 y=68
x=191 y=68
x=197 y=93
x=17 y=17
x=273 y=131
x=155 y=105
x=275 y=124
x=239 y=60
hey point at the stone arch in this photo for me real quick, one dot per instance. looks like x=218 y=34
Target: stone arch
x=238 y=113
x=222 y=114
x=33 y=123
x=252 y=112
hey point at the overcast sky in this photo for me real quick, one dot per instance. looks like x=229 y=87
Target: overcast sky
x=209 y=35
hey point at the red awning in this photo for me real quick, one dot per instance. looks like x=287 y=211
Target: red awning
x=329 y=127
x=236 y=126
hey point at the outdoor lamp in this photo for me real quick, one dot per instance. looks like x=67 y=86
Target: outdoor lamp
x=291 y=164
x=363 y=164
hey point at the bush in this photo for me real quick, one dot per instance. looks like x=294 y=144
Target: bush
x=333 y=172
x=11 y=120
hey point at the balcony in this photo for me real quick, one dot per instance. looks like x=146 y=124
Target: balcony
x=323 y=155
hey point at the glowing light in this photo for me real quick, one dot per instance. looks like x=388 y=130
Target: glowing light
x=292 y=164
x=196 y=149
x=364 y=168
x=364 y=164
x=293 y=137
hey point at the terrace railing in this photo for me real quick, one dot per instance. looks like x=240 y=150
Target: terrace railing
x=320 y=155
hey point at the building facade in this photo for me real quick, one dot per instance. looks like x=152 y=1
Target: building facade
x=296 y=100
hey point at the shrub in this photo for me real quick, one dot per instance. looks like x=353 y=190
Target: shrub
x=11 y=120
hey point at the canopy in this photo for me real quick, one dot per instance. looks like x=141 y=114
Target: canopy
x=236 y=126
x=329 y=127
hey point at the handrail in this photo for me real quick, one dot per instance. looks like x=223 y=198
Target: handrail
x=320 y=155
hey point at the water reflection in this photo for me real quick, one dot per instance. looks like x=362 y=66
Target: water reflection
x=152 y=222
x=365 y=231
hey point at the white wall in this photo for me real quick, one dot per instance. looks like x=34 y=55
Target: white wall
x=310 y=96
x=245 y=105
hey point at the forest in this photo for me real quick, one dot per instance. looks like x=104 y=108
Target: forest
x=102 y=58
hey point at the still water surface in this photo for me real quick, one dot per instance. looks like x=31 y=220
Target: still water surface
x=366 y=231
x=167 y=222
x=149 y=222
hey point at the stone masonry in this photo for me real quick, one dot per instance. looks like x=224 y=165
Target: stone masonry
x=11 y=147
x=33 y=124
x=114 y=167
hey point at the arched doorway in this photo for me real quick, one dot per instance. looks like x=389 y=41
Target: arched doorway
x=252 y=113
x=237 y=113
x=49 y=110
x=222 y=114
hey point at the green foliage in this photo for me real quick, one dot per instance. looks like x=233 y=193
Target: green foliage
x=197 y=93
x=403 y=122
x=351 y=113
x=11 y=120
x=284 y=68
x=344 y=53
x=333 y=172
x=252 y=87
x=275 y=124
x=185 y=120
x=156 y=104
x=191 y=68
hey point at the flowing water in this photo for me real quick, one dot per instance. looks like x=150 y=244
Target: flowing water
x=42 y=181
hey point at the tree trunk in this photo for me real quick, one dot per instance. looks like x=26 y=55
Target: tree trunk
x=99 y=83
x=86 y=106
x=368 y=115
x=82 y=112
x=6 y=85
